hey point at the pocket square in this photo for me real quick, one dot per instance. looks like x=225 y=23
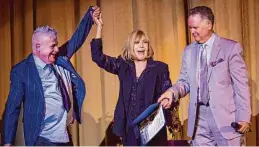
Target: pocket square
x=214 y=63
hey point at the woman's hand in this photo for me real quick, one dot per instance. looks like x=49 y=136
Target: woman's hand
x=98 y=21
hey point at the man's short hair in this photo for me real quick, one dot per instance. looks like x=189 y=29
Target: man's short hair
x=45 y=30
x=203 y=11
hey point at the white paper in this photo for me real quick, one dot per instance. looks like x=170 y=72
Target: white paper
x=153 y=127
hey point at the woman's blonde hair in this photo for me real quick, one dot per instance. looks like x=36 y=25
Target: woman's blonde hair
x=127 y=50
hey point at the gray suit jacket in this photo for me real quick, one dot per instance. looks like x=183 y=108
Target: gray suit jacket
x=228 y=85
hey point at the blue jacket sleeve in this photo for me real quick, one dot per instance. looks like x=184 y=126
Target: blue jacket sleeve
x=79 y=36
x=110 y=64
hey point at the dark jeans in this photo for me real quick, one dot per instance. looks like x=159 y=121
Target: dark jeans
x=41 y=141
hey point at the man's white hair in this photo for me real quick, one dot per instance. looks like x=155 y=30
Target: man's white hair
x=43 y=30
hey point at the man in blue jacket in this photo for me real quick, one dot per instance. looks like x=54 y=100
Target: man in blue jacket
x=50 y=89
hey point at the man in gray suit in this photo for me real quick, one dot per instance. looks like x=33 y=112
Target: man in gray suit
x=214 y=73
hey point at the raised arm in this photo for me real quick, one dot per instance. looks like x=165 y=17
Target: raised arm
x=110 y=64
x=79 y=36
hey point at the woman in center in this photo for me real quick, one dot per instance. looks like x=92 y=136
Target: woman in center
x=142 y=81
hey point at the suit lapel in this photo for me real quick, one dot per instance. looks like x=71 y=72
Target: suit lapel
x=213 y=56
x=128 y=80
x=150 y=81
x=61 y=61
x=150 y=66
x=194 y=62
x=33 y=72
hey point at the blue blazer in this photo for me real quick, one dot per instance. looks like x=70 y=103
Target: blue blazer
x=26 y=87
x=156 y=82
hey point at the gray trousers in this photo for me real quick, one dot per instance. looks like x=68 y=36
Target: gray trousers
x=207 y=132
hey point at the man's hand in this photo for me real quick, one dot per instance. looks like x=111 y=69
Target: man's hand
x=96 y=11
x=166 y=99
x=98 y=21
x=244 y=127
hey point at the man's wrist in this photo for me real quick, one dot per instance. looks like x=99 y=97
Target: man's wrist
x=171 y=89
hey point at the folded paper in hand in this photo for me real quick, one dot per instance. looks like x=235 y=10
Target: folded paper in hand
x=150 y=122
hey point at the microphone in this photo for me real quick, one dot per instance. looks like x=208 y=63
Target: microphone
x=237 y=126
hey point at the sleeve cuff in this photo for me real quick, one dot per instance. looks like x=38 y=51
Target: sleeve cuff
x=175 y=95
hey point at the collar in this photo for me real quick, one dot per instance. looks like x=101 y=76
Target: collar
x=150 y=63
x=210 y=42
x=39 y=62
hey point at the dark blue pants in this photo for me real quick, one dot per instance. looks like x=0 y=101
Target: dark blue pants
x=41 y=141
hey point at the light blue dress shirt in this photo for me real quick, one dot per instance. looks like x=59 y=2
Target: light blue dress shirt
x=54 y=127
